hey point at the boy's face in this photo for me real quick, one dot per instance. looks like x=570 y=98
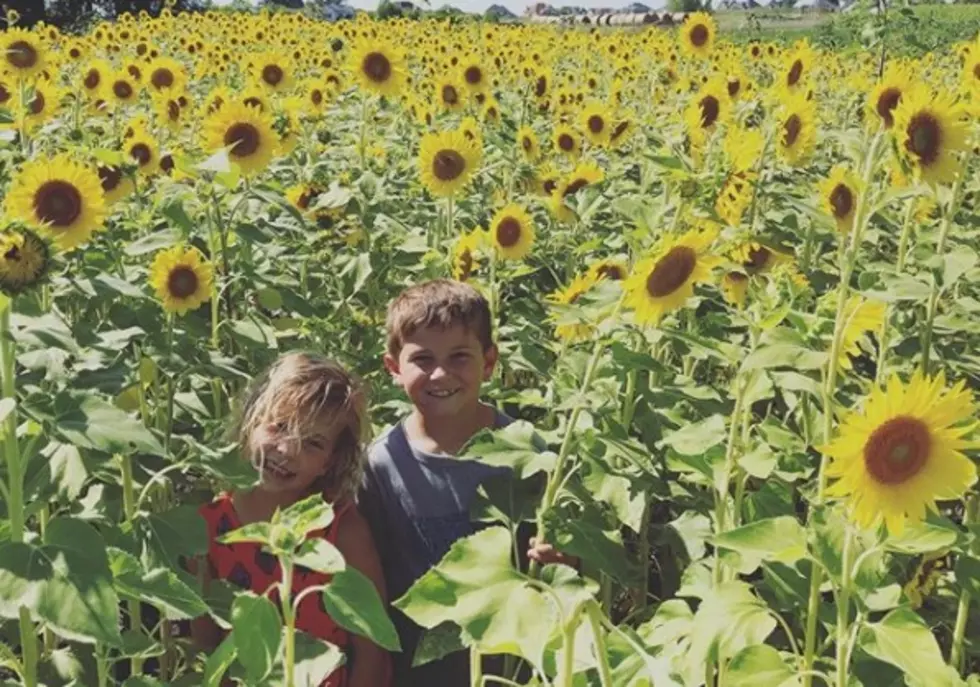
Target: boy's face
x=442 y=370
x=287 y=462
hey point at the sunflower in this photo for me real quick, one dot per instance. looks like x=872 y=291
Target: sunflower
x=465 y=257
x=887 y=94
x=116 y=185
x=144 y=150
x=60 y=197
x=170 y=113
x=971 y=70
x=575 y=330
x=273 y=71
x=379 y=67
x=540 y=83
x=697 y=34
x=447 y=161
x=927 y=573
x=24 y=54
x=609 y=268
x=735 y=288
x=839 y=194
x=182 y=279
x=931 y=131
x=25 y=259
x=797 y=133
x=512 y=232
x=735 y=197
x=664 y=281
x=743 y=147
x=903 y=451
x=546 y=179
x=757 y=258
x=797 y=67
x=491 y=111
x=473 y=75
x=165 y=75
x=122 y=88
x=94 y=76
x=567 y=141
x=621 y=130
x=470 y=128
x=449 y=95
x=861 y=317
x=707 y=110
x=255 y=96
x=43 y=100
x=245 y=132
x=528 y=141
x=316 y=97
x=596 y=122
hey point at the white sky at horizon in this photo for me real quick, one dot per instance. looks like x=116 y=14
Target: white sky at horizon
x=515 y=6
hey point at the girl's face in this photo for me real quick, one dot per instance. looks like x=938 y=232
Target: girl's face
x=287 y=462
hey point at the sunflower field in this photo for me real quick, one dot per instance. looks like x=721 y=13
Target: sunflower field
x=735 y=287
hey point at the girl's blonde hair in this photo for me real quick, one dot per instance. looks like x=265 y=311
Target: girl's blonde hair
x=298 y=389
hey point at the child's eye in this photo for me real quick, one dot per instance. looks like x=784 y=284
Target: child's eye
x=422 y=360
x=318 y=444
x=462 y=355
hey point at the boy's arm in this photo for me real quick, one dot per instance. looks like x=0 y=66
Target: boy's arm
x=371 y=665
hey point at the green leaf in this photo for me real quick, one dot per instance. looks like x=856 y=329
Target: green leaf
x=219 y=662
x=303 y=517
x=254 y=532
x=696 y=438
x=958 y=261
x=66 y=582
x=968 y=575
x=516 y=446
x=255 y=333
x=256 y=630
x=7 y=406
x=165 y=537
x=352 y=601
x=780 y=539
x=152 y=242
x=934 y=534
x=142 y=681
x=784 y=355
x=95 y=423
x=160 y=587
x=760 y=666
x=582 y=537
x=904 y=640
x=320 y=555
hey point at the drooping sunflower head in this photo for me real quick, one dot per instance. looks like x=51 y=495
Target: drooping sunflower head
x=757 y=258
x=863 y=317
x=931 y=132
x=697 y=34
x=512 y=232
x=903 y=451
x=23 y=53
x=25 y=260
x=622 y=128
x=839 y=197
x=60 y=197
x=181 y=278
x=664 y=281
x=735 y=196
x=378 y=67
x=886 y=96
x=246 y=133
x=447 y=161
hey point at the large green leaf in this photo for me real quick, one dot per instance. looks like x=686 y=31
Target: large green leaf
x=515 y=446
x=303 y=517
x=320 y=555
x=218 y=662
x=581 y=536
x=935 y=534
x=165 y=537
x=476 y=587
x=968 y=575
x=696 y=438
x=760 y=666
x=90 y=422
x=159 y=586
x=353 y=602
x=65 y=582
x=780 y=539
x=904 y=640
x=256 y=630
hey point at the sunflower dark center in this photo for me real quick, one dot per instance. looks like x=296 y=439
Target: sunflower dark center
x=167 y=163
x=244 y=139
x=173 y=110
x=134 y=71
x=376 y=67
x=122 y=90
x=842 y=201
x=526 y=143
x=887 y=102
x=758 y=259
x=449 y=94
x=253 y=102
x=182 y=282
x=473 y=75
x=710 y=109
x=737 y=278
x=795 y=72
x=110 y=178
x=58 y=203
x=791 y=130
x=734 y=86
x=574 y=187
x=549 y=185
x=976 y=71
x=92 y=79
x=4 y=94
x=162 y=78
x=671 y=271
x=141 y=153
x=508 y=232
x=273 y=74
x=619 y=129
x=74 y=53
x=37 y=103
x=448 y=165
x=897 y=450
x=306 y=198
x=613 y=272
x=596 y=124
x=924 y=138
x=699 y=35
x=566 y=142
x=540 y=86
x=316 y=96
x=22 y=55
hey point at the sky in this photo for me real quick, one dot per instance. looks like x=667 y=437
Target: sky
x=515 y=6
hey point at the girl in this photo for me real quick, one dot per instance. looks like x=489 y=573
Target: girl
x=302 y=427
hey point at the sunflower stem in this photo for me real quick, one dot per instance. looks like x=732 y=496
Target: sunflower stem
x=844 y=607
x=476 y=667
x=933 y=304
x=170 y=387
x=129 y=512
x=362 y=144
x=899 y=268
x=602 y=655
x=956 y=653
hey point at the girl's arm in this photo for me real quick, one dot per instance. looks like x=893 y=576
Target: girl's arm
x=370 y=665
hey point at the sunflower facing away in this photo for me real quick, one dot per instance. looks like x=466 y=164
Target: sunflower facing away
x=246 y=132
x=664 y=281
x=902 y=451
x=447 y=161
x=839 y=196
x=379 y=68
x=512 y=232
x=61 y=198
x=931 y=131
x=861 y=317
x=565 y=328
x=24 y=261
x=181 y=277
x=697 y=35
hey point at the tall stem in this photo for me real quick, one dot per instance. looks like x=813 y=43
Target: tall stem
x=934 y=295
x=844 y=608
x=476 y=667
x=290 y=617
x=899 y=268
x=602 y=656
x=129 y=511
x=956 y=655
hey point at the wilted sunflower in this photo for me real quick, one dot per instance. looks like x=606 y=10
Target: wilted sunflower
x=797 y=133
x=116 y=185
x=697 y=34
x=24 y=260
x=246 y=132
x=839 y=196
x=24 y=54
x=447 y=161
x=378 y=67
x=664 y=281
x=182 y=278
x=567 y=141
x=512 y=232
x=571 y=331
x=465 y=257
x=931 y=131
x=903 y=451
x=887 y=94
x=528 y=141
x=596 y=122
x=59 y=197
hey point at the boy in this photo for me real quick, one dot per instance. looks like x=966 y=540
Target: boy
x=416 y=495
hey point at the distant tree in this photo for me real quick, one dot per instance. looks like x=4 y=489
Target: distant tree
x=685 y=5
x=285 y=4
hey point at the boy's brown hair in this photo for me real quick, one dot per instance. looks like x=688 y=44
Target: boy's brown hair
x=440 y=303
x=298 y=389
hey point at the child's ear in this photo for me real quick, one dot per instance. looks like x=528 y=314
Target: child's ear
x=391 y=364
x=490 y=357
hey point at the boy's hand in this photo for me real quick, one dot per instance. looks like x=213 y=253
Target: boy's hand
x=545 y=553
